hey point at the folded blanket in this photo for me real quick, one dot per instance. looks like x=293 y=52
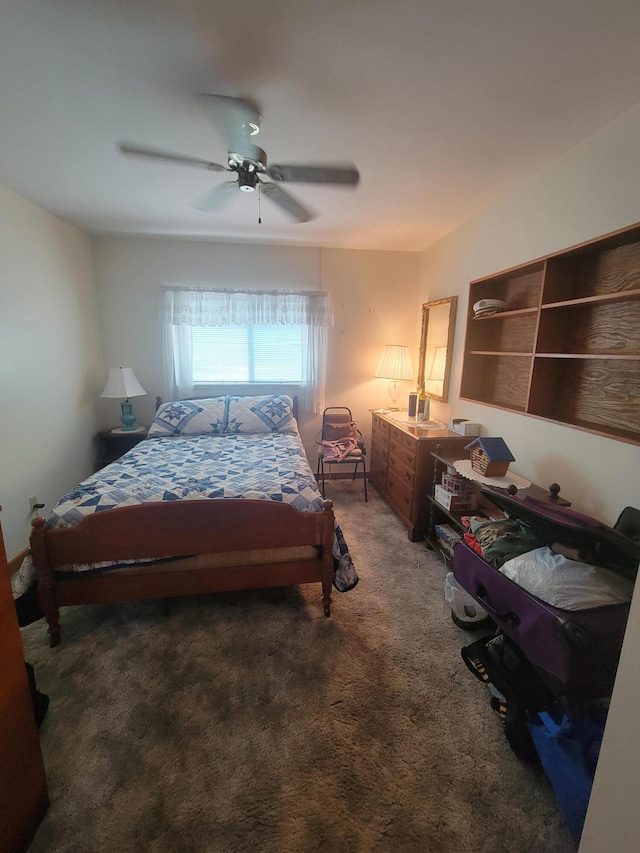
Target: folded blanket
x=334 y=451
x=500 y=540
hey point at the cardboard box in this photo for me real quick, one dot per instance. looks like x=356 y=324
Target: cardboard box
x=447 y=534
x=457 y=503
x=456 y=484
x=464 y=427
x=446 y=537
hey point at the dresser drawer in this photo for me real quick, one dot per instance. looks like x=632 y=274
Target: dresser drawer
x=381 y=449
x=379 y=432
x=400 y=495
x=402 y=472
x=406 y=455
x=402 y=438
x=378 y=470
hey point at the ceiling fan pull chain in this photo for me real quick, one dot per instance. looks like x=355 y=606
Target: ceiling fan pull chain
x=259 y=198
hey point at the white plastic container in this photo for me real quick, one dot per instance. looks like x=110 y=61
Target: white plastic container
x=464 y=608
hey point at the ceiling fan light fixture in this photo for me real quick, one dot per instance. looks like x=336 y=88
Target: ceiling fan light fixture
x=247 y=180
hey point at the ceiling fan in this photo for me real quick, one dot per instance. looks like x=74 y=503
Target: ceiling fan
x=240 y=120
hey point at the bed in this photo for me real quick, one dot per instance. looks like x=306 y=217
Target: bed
x=218 y=497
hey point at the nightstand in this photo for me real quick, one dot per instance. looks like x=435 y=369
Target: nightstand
x=114 y=444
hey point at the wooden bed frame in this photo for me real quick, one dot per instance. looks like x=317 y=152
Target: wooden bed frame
x=225 y=544
x=249 y=544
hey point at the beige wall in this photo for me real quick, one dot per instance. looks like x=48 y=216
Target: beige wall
x=589 y=192
x=50 y=361
x=373 y=294
x=592 y=190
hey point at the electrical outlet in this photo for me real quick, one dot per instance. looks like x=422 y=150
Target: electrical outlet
x=33 y=503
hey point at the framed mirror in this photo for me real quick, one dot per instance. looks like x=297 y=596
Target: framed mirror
x=436 y=347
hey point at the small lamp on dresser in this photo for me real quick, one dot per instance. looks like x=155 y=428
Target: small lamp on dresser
x=121 y=383
x=396 y=366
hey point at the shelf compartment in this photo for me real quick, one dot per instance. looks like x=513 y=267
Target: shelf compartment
x=623 y=296
x=519 y=288
x=567 y=349
x=595 y=272
x=596 y=328
x=512 y=333
x=498 y=380
x=601 y=395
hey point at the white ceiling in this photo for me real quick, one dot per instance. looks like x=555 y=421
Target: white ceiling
x=442 y=104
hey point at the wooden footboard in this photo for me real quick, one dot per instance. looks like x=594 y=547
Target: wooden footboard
x=180 y=529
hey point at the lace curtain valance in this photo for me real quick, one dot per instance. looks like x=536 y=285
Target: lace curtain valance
x=204 y=307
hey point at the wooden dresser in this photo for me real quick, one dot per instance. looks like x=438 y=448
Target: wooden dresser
x=23 y=785
x=401 y=467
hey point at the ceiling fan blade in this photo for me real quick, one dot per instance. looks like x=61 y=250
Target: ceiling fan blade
x=287 y=202
x=132 y=150
x=308 y=173
x=238 y=118
x=216 y=197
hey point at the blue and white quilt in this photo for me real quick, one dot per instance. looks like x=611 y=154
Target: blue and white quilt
x=270 y=466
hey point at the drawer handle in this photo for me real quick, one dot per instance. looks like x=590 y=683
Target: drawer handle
x=481 y=598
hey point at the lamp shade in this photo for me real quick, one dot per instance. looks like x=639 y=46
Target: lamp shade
x=395 y=363
x=121 y=383
x=436 y=370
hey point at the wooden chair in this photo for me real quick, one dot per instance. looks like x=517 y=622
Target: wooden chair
x=338 y=423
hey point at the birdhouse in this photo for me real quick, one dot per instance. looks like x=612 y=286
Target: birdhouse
x=490 y=456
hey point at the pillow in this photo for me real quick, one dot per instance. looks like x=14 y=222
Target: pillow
x=191 y=417
x=269 y=413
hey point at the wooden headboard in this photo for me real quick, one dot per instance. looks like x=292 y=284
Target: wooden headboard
x=208 y=397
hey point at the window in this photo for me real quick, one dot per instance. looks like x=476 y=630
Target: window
x=246 y=336
x=261 y=354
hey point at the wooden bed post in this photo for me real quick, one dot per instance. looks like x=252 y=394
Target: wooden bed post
x=327 y=557
x=46 y=594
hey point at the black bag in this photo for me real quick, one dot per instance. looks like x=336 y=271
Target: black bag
x=517 y=689
x=28 y=606
x=40 y=700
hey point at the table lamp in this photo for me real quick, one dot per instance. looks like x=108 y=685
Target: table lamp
x=122 y=382
x=396 y=366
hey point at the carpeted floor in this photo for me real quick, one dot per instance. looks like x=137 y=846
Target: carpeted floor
x=249 y=722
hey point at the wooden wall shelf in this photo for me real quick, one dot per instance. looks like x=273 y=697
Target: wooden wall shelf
x=567 y=347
